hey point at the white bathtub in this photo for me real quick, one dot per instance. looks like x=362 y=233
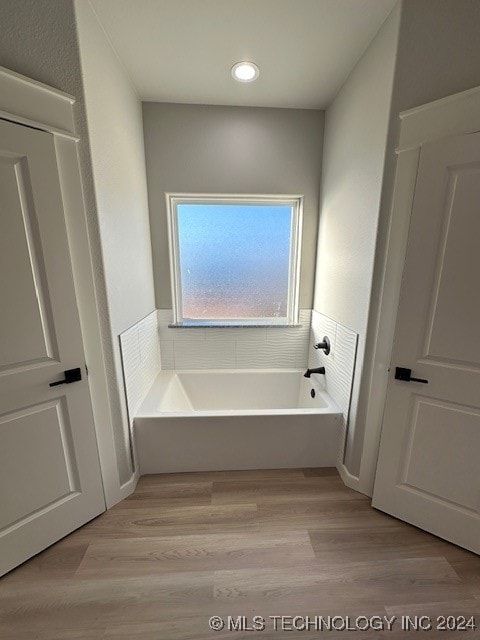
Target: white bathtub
x=236 y=419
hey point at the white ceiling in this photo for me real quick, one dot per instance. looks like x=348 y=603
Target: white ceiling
x=183 y=50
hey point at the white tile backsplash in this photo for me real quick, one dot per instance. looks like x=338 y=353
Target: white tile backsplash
x=301 y=355
x=234 y=347
x=247 y=334
x=193 y=354
x=251 y=355
x=339 y=364
x=140 y=349
x=290 y=335
x=168 y=356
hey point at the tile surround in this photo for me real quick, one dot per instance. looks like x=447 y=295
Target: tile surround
x=339 y=364
x=233 y=348
x=214 y=354
x=140 y=349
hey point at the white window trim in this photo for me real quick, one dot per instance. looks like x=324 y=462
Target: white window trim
x=296 y=201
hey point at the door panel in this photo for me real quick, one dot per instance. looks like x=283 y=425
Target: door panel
x=24 y=318
x=455 y=315
x=442 y=451
x=427 y=471
x=50 y=480
x=45 y=471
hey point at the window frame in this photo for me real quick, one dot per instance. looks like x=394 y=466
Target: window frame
x=295 y=201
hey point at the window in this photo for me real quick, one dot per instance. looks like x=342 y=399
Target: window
x=234 y=259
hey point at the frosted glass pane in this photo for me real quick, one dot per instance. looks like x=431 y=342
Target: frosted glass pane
x=234 y=260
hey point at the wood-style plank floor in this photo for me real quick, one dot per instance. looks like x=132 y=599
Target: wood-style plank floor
x=185 y=547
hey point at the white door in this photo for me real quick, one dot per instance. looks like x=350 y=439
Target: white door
x=428 y=470
x=50 y=479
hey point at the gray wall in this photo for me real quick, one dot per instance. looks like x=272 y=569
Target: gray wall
x=38 y=39
x=438 y=55
x=212 y=149
x=356 y=130
x=438 y=51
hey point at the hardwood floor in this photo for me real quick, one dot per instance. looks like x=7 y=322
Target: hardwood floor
x=185 y=547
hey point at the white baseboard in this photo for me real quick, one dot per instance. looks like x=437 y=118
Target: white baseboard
x=129 y=487
x=348 y=479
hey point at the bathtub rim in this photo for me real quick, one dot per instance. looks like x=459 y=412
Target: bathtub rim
x=149 y=406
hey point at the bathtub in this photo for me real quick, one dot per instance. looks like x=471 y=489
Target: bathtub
x=236 y=419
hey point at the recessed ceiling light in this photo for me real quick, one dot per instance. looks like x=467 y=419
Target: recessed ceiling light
x=245 y=71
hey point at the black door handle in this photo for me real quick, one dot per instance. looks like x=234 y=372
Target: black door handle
x=401 y=373
x=71 y=375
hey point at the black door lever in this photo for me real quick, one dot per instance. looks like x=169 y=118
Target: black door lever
x=401 y=373
x=71 y=375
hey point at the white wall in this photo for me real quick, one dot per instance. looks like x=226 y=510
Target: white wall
x=356 y=128
x=115 y=129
